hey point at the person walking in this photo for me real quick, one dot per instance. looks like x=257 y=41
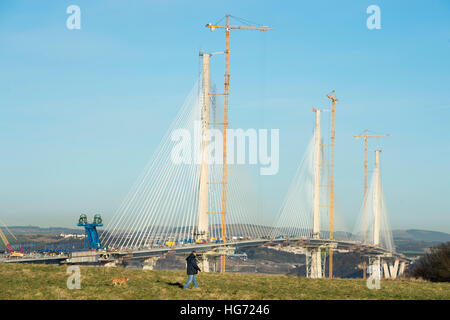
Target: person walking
x=192 y=270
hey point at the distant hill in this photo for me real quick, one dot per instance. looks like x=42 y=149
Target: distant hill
x=411 y=234
x=421 y=235
x=21 y=230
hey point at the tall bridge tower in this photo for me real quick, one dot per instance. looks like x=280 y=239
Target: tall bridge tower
x=375 y=261
x=316 y=263
x=202 y=229
x=377 y=200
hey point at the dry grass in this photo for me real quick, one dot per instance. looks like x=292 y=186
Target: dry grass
x=21 y=281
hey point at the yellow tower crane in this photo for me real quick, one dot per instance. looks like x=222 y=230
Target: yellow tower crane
x=333 y=103
x=227 y=28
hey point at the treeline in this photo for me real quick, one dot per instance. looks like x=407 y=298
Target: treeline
x=435 y=265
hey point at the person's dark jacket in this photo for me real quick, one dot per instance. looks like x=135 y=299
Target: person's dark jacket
x=192 y=267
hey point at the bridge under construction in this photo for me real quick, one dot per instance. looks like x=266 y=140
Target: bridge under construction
x=180 y=204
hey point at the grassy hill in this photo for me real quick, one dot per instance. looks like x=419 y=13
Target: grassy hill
x=20 y=281
x=421 y=235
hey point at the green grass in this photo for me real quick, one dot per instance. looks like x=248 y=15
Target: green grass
x=25 y=281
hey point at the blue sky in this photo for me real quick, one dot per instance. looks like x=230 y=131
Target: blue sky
x=81 y=111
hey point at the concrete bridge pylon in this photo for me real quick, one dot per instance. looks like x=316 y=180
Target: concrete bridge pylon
x=315 y=253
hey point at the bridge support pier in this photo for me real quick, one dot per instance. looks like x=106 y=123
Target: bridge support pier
x=211 y=256
x=150 y=263
x=204 y=263
x=315 y=264
x=377 y=265
x=315 y=267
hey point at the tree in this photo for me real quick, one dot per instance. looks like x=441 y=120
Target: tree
x=434 y=266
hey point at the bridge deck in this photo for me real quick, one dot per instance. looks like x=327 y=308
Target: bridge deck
x=301 y=242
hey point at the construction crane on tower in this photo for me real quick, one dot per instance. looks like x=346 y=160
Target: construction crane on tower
x=227 y=28
x=366 y=137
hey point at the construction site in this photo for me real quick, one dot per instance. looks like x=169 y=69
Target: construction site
x=207 y=205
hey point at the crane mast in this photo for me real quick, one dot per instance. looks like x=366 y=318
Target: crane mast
x=333 y=103
x=227 y=28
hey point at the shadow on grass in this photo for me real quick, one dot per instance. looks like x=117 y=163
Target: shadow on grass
x=175 y=284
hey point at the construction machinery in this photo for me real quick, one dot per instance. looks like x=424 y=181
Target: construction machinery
x=12 y=252
x=91 y=230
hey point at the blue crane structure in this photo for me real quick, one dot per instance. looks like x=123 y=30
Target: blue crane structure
x=91 y=230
